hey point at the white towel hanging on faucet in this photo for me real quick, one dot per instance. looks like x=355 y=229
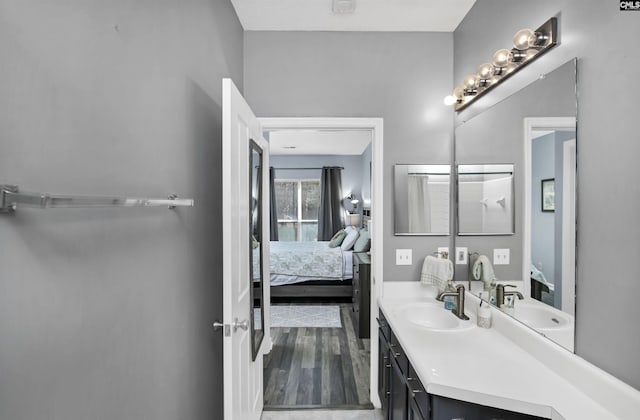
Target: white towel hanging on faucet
x=483 y=270
x=436 y=272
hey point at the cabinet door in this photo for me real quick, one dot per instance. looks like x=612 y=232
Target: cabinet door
x=398 y=398
x=414 y=412
x=384 y=370
x=447 y=408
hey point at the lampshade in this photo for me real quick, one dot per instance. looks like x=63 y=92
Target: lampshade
x=354 y=219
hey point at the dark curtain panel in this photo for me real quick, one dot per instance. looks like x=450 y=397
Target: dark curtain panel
x=330 y=212
x=273 y=211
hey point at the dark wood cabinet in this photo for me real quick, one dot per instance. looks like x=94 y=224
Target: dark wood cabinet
x=384 y=365
x=362 y=294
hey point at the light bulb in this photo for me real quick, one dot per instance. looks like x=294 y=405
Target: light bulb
x=458 y=92
x=521 y=39
x=469 y=82
x=485 y=70
x=501 y=57
x=450 y=100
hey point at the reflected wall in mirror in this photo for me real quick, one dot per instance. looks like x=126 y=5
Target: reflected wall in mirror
x=513 y=131
x=255 y=247
x=485 y=199
x=421 y=199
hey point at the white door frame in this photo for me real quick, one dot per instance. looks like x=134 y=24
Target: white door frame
x=375 y=125
x=531 y=125
x=568 y=227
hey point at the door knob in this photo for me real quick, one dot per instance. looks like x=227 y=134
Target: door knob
x=240 y=324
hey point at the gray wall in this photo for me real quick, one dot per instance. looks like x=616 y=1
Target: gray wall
x=106 y=313
x=598 y=34
x=366 y=168
x=401 y=77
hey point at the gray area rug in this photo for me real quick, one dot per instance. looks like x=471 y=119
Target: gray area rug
x=325 y=316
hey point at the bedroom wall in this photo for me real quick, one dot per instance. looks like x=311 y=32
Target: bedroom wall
x=106 y=313
x=601 y=36
x=351 y=175
x=400 y=77
x=366 y=176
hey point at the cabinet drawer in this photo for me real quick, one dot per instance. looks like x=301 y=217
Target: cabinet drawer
x=418 y=393
x=385 y=329
x=398 y=354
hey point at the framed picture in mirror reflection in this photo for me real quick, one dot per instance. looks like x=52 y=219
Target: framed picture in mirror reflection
x=548 y=194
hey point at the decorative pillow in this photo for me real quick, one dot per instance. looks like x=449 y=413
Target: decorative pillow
x=363 y=243
x=350 y=239
x=349 y=228
x=337 y=238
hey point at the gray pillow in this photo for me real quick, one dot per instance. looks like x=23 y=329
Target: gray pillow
x=363 y=243
x=350 y=239
x=337 y=238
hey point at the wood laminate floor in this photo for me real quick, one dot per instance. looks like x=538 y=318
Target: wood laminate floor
x=318 y=367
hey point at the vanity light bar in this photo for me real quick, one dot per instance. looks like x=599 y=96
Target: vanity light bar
x=527 y=46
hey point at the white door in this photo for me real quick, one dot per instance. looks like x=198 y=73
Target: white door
x=243 y=397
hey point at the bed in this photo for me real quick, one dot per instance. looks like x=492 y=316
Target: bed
x=310 y=269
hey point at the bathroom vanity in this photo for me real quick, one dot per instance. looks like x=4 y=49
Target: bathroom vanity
x=434 y=366
x=404 y=396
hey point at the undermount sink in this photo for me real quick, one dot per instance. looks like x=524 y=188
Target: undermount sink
x=433 y=316
x=540 y=317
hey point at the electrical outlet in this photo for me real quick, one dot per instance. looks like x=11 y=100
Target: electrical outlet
x=501 y=256
x=462 y=255
x=442 y=250
x=403 y=257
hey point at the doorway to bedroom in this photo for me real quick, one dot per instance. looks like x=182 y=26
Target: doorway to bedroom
x=323 y=183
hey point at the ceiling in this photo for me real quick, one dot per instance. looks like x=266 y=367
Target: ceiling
x=316 y=142
x=369 y=15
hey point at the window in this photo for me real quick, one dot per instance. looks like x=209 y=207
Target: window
x=297 y=203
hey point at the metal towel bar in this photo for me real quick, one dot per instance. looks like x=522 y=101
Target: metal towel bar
x=11 y=198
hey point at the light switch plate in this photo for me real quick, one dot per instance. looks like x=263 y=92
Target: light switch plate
x=403 y=256
x=501 y=256
x=462 y=255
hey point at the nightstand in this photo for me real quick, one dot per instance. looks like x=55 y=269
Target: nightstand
x=361 y=294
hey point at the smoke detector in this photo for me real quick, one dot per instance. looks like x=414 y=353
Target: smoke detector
x=343 y=7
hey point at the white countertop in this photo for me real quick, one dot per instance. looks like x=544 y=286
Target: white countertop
x=491 y=366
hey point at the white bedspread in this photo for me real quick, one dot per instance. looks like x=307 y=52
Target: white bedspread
x=308 y=261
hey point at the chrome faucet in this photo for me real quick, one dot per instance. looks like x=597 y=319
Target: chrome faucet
x=501 y=293
x=459 y=297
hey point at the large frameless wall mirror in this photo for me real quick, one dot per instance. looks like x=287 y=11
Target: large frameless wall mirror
x=255 y=247
x=421 y=199
x=535 y=129
x=485 y=199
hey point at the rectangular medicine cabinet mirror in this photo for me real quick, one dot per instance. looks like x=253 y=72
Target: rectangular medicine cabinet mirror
x=421 y=199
